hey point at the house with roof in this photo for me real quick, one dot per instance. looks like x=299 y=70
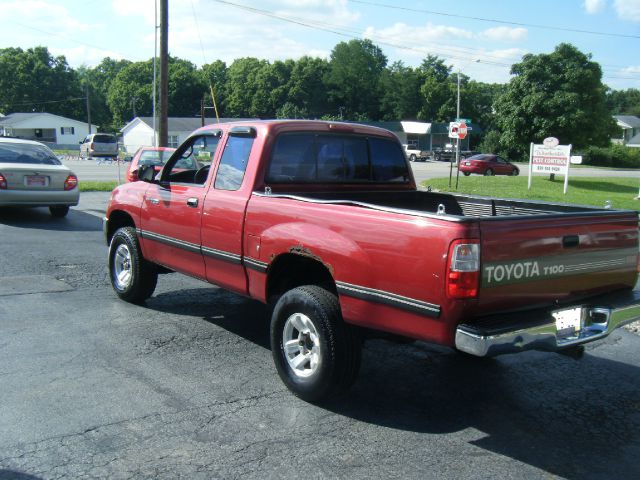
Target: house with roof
x=55 y=130
x=630 y=126
x=139 y=131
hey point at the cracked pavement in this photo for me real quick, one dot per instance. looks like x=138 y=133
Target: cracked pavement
x=184 y=387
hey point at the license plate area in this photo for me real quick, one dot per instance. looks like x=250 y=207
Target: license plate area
x=568 y=323
x=36 y=181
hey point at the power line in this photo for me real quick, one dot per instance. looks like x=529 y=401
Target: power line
x=45 y=102
x=495 y=20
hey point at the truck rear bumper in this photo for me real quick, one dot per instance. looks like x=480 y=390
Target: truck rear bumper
x=549 y=330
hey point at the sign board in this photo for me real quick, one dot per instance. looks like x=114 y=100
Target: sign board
x=550 y=158
x=462 y=130
x=463 y=120
x=576 y=159
x=458 y=130
x=453 y=129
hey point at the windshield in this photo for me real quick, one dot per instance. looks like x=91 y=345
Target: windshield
x=104 y=139
x=27 y=153
x=154 y=157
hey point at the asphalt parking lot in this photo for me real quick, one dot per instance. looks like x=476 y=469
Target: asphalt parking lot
x=184 y=387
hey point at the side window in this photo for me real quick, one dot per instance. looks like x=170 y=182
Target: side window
x=234 y=162
x=388 y=161
x=192 y=162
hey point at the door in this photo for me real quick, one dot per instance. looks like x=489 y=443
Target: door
x=172 y=208
x=224 y=212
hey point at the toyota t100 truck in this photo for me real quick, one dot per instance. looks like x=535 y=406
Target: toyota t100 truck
x=323 y=221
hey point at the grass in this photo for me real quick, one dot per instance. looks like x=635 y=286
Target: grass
x=621 y=191
x=97 y=186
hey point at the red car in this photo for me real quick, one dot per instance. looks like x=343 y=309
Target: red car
x=488 y=164
x=156 y=156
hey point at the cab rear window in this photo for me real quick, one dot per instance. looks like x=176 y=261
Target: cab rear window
x=330 y=158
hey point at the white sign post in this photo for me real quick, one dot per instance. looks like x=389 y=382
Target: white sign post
x=550 y=158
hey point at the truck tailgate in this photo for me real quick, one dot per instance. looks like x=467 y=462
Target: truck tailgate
x=538 y=262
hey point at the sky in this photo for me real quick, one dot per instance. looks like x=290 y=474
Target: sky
x=481 y=38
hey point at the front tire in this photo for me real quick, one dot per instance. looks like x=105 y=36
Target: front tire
x=132 y=277
x=316 y=353
x=466 y=174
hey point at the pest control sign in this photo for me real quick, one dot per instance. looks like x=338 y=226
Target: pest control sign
x=550 y=158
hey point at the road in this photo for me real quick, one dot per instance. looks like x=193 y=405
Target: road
x=184 y=387
x=89 y=170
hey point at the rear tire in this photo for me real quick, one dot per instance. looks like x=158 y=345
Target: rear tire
x=59 y=211
x=316 y=353
x=132 y=277
x=515 y=172
x=488 y=172
x=412 y=157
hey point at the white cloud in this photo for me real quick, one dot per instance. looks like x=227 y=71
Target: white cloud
x=632 y=69
x=42 y=15
x=501 y=34
x=594 y=6
x=628 y=9
x=408 y=35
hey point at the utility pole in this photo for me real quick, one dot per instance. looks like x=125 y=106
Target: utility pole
x=458 y=139
x=164 y=73
x=88 y=108
x=155 y=58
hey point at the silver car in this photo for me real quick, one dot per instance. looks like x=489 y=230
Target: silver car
x=99 y=145
x=32 y=176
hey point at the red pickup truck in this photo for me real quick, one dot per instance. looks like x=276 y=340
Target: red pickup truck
x=324 y=222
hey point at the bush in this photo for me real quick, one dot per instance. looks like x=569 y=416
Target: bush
x=617 y=156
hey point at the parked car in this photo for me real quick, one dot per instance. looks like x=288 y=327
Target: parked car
x=488 y=164
x=414 y=154
x=99 y=145
x=32 y=176
x=148 y=156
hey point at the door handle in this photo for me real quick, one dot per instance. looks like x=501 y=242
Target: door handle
x=192 y=202
x=154 y=201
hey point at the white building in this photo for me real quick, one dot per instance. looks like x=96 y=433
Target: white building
x=45 y=127
x=139 y=131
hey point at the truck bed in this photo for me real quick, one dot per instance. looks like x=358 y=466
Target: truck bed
x=450 y=206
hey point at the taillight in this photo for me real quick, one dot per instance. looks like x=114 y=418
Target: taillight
x=3 y=182
x=463 y=277
x=132 y=175
x=71 y=182
x=91 y=146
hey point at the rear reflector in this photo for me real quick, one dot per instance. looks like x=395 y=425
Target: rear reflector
x=463 y=276
x=71 y=182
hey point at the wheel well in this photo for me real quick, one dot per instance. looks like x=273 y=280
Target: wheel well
x=290 y=270
x=118 y=219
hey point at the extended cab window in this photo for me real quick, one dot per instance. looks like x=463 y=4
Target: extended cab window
x=234 y=159
x=192 y=162
x=326 y=158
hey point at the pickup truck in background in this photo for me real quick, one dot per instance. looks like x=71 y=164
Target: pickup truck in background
x=323 y=221
x=415 y=154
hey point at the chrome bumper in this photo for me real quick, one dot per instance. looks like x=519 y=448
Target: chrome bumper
x=520 y=331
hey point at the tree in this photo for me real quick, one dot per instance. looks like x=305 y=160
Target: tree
x=401 y=98
x=242 y=86
x=353 y=79
x=99 y=79
x=624 y=102
x=214 y=77
x=558 y=94
x=438 y=98
x=307 y=90
x=33 y=80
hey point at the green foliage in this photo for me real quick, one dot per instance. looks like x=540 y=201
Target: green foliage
x=582 y=190
x=624 y=102
x=353 y=80
x=617 y=156
x=558 y=94
x=33 y=80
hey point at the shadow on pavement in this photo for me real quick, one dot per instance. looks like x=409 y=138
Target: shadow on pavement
x=39 y=218
x=574 y=419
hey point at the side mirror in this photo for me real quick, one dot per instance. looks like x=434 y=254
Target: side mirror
x=146 y=173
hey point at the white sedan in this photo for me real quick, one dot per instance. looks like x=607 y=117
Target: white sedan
x=32 y=176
